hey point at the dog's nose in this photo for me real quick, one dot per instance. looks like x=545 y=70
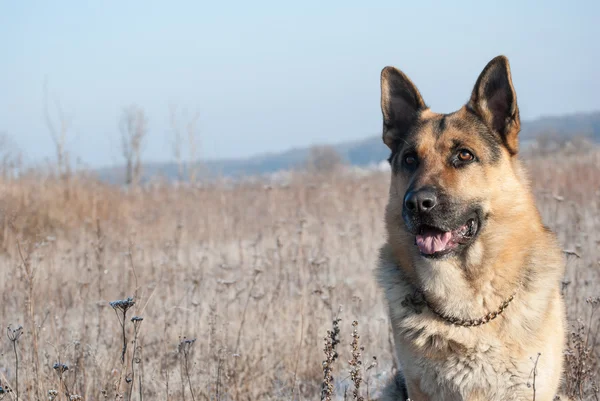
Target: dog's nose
x=422 y=200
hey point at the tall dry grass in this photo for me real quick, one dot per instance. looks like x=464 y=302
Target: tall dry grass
x=236 y=285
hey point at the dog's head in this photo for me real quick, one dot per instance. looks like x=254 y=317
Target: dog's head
x=449 y=171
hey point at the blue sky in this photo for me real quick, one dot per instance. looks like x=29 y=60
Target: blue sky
x=272 y=75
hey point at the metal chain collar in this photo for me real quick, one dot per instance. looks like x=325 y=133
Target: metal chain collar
x=418 y=300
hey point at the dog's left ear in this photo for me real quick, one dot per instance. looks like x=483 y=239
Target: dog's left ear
x=495 y=101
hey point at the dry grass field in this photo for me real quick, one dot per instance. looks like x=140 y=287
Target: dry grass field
x=237 y=285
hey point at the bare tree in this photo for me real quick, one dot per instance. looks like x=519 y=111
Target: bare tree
x=177 y=142
x=11 y=160
x=58 y=132
x=187 y=125
x=134 y=127
x=323 y=159
x=192 y=133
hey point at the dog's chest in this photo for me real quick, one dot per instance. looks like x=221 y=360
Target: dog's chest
x=456 y=363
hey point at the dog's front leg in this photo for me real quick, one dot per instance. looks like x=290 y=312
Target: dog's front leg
x=414 y=391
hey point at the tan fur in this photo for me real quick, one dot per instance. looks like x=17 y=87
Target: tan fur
x=514 y=251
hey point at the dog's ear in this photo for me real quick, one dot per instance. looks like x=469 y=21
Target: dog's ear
x=400 y=105
x=495 y=101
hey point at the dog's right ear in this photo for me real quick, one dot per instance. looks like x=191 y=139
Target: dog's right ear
x=400 y=105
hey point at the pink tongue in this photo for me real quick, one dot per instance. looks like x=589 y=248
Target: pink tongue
x=431 y=242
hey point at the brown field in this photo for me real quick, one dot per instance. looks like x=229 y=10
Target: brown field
x=254 y=273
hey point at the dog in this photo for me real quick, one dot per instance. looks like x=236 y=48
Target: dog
x=470 y=273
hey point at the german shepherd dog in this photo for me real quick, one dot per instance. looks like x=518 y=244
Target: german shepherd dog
x=471 y=275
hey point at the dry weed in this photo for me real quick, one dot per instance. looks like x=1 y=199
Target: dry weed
x=254 y=272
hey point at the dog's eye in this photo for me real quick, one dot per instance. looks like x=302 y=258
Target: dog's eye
x=410 y=160
x=465 y=156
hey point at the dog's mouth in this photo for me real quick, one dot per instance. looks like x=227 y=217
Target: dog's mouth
x=434 y=242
